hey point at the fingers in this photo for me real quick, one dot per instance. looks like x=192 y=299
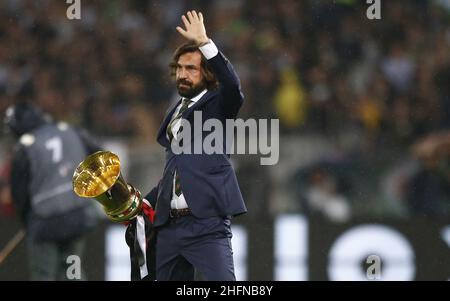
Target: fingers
x=190 y=16
x=185 y=21
x=192 y=21
x=195 y=16
x=181 y=31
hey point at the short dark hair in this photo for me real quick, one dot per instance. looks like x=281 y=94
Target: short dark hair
x=210 y=79
x=23 y=117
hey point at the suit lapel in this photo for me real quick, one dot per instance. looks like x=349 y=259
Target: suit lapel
x=161 y=138
x=198 y=104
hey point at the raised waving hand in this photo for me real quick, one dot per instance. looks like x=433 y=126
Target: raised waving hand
x=194 y=28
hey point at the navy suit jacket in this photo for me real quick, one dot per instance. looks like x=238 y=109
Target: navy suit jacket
x=208 y=181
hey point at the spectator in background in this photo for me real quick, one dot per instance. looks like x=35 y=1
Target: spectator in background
x=323 y=198
x=429 y=188
x=55 y=220
x=323 y=190
x=398 y=68
x=290 y=100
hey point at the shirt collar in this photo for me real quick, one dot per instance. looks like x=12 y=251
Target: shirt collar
x=197 y=98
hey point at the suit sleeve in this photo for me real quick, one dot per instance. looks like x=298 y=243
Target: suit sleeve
x=153 y=195
x=20 y=177
x=230 y=85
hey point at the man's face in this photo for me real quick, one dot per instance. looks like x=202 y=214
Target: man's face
x=189 y=76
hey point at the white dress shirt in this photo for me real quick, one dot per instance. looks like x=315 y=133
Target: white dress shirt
x=209 y=51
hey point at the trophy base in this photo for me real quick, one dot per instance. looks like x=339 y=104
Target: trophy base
x=130 y=209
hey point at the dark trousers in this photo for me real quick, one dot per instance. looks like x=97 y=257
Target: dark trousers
x=48 y=260
x=188 y=244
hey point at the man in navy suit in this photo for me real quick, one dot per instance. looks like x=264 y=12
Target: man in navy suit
x=198 y=193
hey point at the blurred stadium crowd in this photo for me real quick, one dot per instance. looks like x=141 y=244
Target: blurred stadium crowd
x=372 y=89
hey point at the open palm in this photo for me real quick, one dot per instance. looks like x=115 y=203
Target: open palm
x=194 y=28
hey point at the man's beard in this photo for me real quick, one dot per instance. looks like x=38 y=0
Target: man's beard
x=188 y=90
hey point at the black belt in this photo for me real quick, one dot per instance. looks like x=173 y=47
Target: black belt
x=175 y=213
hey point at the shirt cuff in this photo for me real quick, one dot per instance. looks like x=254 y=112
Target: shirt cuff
x=209 y=50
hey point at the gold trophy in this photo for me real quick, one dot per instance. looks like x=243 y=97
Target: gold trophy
x=99 y=177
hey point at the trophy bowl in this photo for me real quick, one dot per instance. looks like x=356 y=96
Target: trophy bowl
x=99 y=177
